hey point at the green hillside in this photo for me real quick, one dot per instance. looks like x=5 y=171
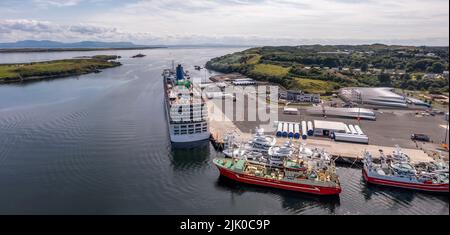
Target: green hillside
x=403 y=67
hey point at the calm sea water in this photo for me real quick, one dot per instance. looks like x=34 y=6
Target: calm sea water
x=98 y=144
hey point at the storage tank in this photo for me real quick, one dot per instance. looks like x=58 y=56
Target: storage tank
x=304 y=130
x=291 y=130
x=280 y=130
x=352 y=129
x=358 y=130
x=297 y=133
x=285 y=130
x=310 y=128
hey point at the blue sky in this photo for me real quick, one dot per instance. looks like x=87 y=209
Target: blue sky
x=257 y=22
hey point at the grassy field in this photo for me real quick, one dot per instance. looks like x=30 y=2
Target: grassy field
x=106 y=57
x=270 y=70
x=53 y=69
x=254 y=59
x=315 y=86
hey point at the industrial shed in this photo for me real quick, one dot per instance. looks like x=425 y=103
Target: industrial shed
x=326 y=128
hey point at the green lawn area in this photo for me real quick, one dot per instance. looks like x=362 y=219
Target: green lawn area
x=315 y=86
x=271 y=70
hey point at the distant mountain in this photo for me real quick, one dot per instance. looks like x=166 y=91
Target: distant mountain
x=53 y=44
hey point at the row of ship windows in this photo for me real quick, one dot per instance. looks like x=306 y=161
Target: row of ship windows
x=190 y=131
x=199 y=125
x=182 y=121
x=187 y=108
x=188 y=114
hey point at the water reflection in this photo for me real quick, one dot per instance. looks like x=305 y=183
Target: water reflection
x=188 y=157
x=405 y=195
x=294 y=202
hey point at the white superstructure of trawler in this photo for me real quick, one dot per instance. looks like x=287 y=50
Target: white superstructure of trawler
x=186 y=108
x=260 y=142
x=278 y=154
x=262 y=150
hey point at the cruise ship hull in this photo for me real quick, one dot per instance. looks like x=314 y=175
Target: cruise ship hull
x=190 y=135
x=189 y=138
x=390 y=181
x=254 y=180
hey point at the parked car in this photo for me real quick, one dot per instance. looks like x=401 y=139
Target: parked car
x=420 y=137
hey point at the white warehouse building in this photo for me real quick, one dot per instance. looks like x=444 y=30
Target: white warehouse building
x=326 y=128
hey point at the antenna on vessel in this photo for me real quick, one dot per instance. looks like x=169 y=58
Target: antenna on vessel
x=173 y=65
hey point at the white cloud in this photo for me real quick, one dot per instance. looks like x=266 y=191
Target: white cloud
x=245 y=21
x=57 y=3
x=21 y=29
x=325 y=19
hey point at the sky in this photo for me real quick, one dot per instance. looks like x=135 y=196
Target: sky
x=233 y=22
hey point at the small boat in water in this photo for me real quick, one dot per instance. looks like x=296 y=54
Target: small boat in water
x=397 y=172
x=138 y=56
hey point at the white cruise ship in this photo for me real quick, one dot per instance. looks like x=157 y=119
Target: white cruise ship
x=186 y=109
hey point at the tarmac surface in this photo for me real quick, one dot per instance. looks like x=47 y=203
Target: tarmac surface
x=392 y=127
